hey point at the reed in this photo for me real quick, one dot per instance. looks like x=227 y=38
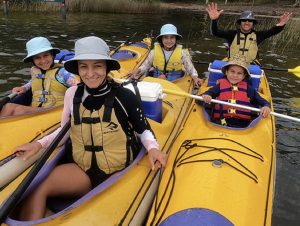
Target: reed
x=107 y=6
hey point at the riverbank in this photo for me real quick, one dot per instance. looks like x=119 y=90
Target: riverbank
x=267 y=10
x=150 y=7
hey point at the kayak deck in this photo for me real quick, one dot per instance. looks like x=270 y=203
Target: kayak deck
x=218 y=175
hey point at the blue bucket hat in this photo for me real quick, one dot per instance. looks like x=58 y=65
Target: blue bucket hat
x=168 y=29
x=91 y=48
x=36 y=46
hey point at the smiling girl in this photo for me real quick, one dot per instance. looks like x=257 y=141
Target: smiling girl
x=49 y=81
x=168 y=59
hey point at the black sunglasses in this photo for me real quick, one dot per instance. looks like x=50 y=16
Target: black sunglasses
x=246 y=20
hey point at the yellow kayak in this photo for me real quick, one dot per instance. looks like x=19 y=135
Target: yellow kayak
x=218 y=175
x=17 y=130
x=126 y=197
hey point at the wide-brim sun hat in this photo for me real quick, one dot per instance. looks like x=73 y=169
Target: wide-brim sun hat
x=91 y=48
x=38 y=45
x=247 y=15
x=168 y=29
x=238 y=60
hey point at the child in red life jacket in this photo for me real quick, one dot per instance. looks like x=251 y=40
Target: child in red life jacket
x=234 y=88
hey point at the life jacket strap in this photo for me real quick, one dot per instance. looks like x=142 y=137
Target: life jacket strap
x=76 y=103
x=109 y=102
x=93 y=148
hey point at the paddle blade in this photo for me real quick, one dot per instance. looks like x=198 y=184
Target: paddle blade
x=7 y=99
x=295 y=71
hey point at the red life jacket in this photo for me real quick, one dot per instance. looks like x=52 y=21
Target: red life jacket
x=236 y=94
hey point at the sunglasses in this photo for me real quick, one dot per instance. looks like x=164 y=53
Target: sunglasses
x=247 y=20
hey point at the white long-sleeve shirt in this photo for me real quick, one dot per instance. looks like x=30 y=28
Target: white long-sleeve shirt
x=185 y=60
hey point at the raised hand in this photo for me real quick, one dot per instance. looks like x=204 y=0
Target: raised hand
x=213 y=12
x=284 y=18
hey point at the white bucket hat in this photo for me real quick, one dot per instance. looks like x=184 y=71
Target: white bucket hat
x=168 y=29
x=91 y=48
x=36 y=46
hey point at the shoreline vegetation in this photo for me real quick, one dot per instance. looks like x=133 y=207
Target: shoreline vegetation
x=260 y=7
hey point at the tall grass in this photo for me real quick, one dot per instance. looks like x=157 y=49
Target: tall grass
x=107 y=6
x=113 y=6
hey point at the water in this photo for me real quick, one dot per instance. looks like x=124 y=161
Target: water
x=20 y=27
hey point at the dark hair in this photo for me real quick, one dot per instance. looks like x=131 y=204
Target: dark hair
x=159 y=39
x=52 y=52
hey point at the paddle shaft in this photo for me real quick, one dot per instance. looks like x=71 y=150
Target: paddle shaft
x=6 y=99
x=16 y=195
x=295 y=71
x=124 y=43
x=229 y=104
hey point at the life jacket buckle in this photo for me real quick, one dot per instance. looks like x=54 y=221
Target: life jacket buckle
x=223 y=122
x=42 y=99
x=232 y=101
x=40 y=75
x=45 y=92
x=235 y=88
x=231 y=111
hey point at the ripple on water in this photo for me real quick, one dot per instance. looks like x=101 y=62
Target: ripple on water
x=5 y=54
x=14 y=78
x=3 y=81
x=23 y=71
x=288 y=143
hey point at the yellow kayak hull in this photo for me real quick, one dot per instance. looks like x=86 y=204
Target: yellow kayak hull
x=127 y=201
x=218 y=176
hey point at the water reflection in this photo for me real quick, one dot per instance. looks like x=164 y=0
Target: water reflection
x=20 y=27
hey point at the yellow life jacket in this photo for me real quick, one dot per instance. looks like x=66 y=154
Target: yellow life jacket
x=245 y=45
x=101 y=140
x=172 y=68
x=47 y=91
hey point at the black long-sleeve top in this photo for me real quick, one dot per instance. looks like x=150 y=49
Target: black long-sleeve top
x=230 y=34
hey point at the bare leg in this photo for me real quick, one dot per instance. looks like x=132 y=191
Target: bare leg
x=16 y=109
x=65 y=180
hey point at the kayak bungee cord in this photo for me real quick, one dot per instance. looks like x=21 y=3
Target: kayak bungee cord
x=181 y=158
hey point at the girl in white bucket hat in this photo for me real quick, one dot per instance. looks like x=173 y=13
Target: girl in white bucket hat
x=168 y=59
x=108 y=128
x=49 y=81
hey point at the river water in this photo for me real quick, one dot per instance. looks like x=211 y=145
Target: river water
x=17 y=28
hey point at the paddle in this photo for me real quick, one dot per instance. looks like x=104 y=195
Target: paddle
x=229 y=104
x=124 y=43
x=6 y=99
x=16 y=195
x=295 y=71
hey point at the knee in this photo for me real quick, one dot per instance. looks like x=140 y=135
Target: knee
x=7 y=109
x=19 y=109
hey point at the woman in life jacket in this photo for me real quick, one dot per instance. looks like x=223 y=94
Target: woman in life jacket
x=108 y=129
x=245 y=39
x=49 y=81
x=235 y=88
x=168 y=60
